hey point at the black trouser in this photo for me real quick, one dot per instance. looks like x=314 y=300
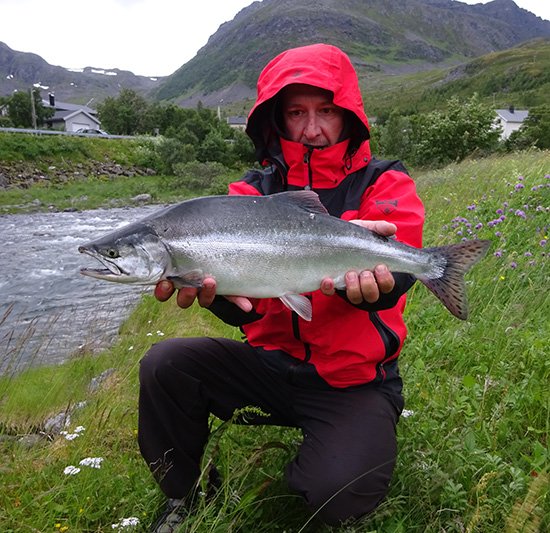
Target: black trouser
x=344 y=465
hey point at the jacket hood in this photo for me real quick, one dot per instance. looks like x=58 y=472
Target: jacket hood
x=319 y=65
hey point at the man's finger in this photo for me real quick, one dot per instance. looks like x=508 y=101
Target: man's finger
x=163 y=291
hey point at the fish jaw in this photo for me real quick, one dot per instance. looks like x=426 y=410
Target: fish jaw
x=128 y=260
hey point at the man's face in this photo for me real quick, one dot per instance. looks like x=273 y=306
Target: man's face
x=310 y=117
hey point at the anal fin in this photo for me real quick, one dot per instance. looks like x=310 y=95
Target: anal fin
x=299 y=304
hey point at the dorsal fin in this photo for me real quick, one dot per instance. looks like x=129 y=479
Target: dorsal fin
x=308 y=200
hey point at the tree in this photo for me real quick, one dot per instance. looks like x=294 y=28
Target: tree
x=20 y=109
x=127 y=114
x=535 y=130
x=463 y=128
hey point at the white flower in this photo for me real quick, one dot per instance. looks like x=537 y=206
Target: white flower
x=160 y=333
x=79 y=429
x=132 y=521
x=92 y=462
x=131 y=348
x=71 y=436
x=71 y=470
x=406 y=413
x=149 y=334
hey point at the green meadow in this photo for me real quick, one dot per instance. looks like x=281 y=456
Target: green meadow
x=473 y=441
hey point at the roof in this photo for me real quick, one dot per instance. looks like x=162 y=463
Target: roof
x=236 y=120
x=514 y=115
x=65 y=106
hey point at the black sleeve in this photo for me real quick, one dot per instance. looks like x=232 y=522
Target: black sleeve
x=232 y=314
x=403 y=282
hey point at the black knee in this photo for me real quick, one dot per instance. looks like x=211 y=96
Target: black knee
x=335 y=499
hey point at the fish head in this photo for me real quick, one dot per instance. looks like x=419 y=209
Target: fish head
x=136 y=255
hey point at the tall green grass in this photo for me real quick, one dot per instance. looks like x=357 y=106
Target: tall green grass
x=474 y=444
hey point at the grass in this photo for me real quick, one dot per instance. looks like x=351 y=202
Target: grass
x=473 y=451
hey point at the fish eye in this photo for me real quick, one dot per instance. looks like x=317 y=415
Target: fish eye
x=112 y=253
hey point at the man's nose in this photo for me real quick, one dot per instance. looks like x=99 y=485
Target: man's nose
x=312 y=128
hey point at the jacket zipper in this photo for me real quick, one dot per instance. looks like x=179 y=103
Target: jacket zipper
x=307 y=162
x=389 y=338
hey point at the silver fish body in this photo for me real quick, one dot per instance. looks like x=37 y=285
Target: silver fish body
x=280 y=245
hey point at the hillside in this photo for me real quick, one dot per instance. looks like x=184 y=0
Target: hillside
x=382 y=37
x=21 y=70
x=518 y=76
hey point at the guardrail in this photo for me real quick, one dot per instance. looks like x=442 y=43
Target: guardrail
x=71 y=133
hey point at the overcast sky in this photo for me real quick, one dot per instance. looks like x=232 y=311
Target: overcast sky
x=147 y=37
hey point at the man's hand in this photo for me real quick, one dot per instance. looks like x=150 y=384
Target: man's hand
x=205 y=295
x=366 y=285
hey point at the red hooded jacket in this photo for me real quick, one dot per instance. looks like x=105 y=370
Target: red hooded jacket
x=346 y=344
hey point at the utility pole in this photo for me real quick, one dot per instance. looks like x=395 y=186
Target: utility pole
x=33 y=111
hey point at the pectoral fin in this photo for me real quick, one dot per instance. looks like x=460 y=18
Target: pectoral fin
x=193 y=278
x=299 y=304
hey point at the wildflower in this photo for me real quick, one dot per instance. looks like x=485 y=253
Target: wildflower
x=71 y=470
x=519 y=186
x=513 y=265
x=471 y=207
x=543 y=242
x=149 y=334
x=92 y=462
x=520 y=178
x=131 y=348
x=406 y=413
x=499 y=212
x=479 y=225
x=160 y=333
x=528 y=254
x=132 y=521
x=520 y=213
x=498 y=253
x=71 y=436
x=79 y=429
x=498 y=233
x=501 y=278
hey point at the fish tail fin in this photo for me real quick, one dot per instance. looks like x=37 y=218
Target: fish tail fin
x=450 y=287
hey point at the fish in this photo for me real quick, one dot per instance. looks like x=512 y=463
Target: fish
x=276 y=246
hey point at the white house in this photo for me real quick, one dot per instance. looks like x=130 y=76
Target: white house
x=510 y=120
x=71 y=117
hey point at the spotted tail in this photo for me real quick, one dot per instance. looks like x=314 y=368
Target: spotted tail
x=450 y=287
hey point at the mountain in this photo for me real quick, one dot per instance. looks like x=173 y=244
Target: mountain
x=389 y=41
x=22 y=70
x=381 y=36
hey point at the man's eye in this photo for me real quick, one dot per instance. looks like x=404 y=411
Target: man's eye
x=294 y=113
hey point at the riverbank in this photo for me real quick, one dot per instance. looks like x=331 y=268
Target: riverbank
x=473 y=444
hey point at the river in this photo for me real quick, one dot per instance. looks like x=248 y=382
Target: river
x=48 y=310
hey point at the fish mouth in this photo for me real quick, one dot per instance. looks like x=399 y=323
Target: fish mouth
x=111 y=268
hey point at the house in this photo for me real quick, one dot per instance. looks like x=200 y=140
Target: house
x=510 y=120
x=237 y=122
x=70 y=117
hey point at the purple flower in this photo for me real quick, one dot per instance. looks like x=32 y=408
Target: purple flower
x=520 y=213
x=505 y=204
x=543 y=242
x=498 y=234
x=520 y=178
x=472 y=207
x=519 y=186
x=479 y=225
x=513 y=264
x=499 y=212
x=498 y=253
x=528 y=254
